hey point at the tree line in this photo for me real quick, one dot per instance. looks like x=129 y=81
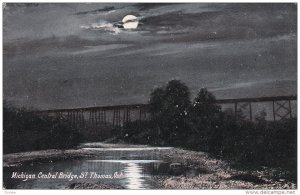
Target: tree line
x=24 y=130
x=200 y=124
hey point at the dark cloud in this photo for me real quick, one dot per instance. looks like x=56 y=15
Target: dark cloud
x=105 y=9
x=227 y=23
x=7 y=5
x=148 y=6
x=71 y=55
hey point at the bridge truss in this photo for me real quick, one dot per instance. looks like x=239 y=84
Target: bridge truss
x=118 y=115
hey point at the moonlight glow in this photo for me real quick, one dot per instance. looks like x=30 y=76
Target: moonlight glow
x=130 y=22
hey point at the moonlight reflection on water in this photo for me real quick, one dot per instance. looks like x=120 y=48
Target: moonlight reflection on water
x=137 y=165
x=135 y=177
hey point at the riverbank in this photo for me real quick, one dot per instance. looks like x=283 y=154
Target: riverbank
x=211 y=173
x=218 y=174
x=15 y=159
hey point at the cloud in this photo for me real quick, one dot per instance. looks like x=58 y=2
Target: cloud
x=222 y=21
x=99 y=49
x=242 y=85
x=213 y=47
x=273 y=87
x=107 y=9
x=104 y=26
x=217 y=46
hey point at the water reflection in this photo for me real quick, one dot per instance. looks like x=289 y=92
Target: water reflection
x=138 y=167
x=135 y=178
x=129 y=149
x=126 y=161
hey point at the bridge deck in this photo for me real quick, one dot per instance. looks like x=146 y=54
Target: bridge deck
x=139 y=106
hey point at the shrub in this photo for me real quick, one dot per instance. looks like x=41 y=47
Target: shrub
x=25 y=130
x=168 y=106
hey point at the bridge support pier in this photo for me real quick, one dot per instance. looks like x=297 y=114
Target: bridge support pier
x=282 y=109
x=143 y=114
x=244 y=107
x=126 y=116
x=116 y=118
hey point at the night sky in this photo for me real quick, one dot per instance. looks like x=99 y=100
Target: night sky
x=71 y=55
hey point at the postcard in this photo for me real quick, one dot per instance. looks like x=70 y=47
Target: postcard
x=150 y=96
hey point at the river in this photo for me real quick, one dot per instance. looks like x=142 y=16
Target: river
x=129 y=168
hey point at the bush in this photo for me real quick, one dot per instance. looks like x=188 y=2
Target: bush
x=141 y=132
x=169 y=108
x=24 y=131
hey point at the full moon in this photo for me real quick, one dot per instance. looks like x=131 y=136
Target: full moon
x=130 y=22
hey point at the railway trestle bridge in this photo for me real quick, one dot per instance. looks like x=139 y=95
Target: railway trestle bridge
x=280 y=108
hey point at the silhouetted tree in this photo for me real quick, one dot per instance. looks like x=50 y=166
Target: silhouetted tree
x=205 y=117
x=204 y=106
x=157 y=102
x=169 y=106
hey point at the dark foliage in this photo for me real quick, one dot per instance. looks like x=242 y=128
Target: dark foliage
x=144 y=132
x=202 y=125
x=169 y=107
x=204 y=121
x=24 y=131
